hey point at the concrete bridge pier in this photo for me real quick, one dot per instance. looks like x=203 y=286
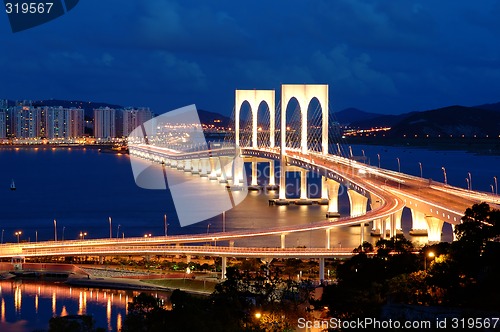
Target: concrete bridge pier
x=226 y=167
x=195 y=166
x=282 y=238
x=204 y=165
x=328 y=240
x=282 y=189
x=254 y=173
x=254 y=185
x=357 y=202
x=419 y=223
x=187 y=165
x=383 y=228
x=304 y=198
x=453 y=232
x=213 y=168
x=173 y=163
x=435 y=228
x=223 y=268
x=375 y=203
x=177 y=245
x=272 y=178
x=393 y=224
x=237 y=171
x=321 y=269
x=324 y=191
x=376 y=228
x=180 y=165
x=361 y=233
x=224 y=173
x=333 y=199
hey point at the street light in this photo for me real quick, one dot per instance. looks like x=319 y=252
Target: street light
x=420 y=165
x=378 y=156
x=350 y=151
x=496 y=185
x=431 y=255
x=468 y=183
x=492 y=190
x=3 y=230
x=18 y=233
x=118 y=231
x=399 y=166
x=223 y=221
x=147 y=235
x=165 y=223
x=444 y=173
x=470 y=180
x=55 y=230
x=109 y=219
x=82 y=235
x=63 y=233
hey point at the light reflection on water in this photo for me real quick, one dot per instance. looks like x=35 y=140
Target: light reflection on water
x=106 y=188
x=28 y=305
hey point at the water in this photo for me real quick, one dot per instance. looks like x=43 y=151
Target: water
x=28 y=305
x=82 y=188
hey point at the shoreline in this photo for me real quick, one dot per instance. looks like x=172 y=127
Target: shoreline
x=477 y=146
x=105 y=148
x=126 y=284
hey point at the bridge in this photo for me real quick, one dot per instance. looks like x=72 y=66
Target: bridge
x=377 y=196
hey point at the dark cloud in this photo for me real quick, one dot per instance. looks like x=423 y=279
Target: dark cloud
x=389 y=56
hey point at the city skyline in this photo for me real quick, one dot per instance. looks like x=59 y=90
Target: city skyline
x=165 y=55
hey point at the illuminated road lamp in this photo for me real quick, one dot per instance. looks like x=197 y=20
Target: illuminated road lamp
x=431 y=256
x=18 y=234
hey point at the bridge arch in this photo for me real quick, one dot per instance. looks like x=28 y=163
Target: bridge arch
x=245 y=124
x=264 y=125
x=254 y=98
x=304 y=93
x=315 y=125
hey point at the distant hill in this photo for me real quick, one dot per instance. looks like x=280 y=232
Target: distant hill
x=350 y=115
x=207 y=117
x=453 y=120
x=87 y=106
x=491 y=107
x=386 y=120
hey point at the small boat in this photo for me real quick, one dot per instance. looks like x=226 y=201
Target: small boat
x=12 y=185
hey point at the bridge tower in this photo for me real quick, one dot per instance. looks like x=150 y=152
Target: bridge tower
x=304 y=93
x=254 y=99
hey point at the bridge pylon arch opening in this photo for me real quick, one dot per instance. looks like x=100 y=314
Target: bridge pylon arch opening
x=254 y=99
x=304 y=93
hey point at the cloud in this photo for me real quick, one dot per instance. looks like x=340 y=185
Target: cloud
x=353 y=72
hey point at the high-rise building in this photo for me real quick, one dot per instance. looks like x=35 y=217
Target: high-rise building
x=26 y=122
x=63 y=122
x=56 y=122
x=76 y=122
x=104 y=123
x=3 y=123
x=133 y=118
x=3 y=118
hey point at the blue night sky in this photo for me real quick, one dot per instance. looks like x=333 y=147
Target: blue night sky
x=379 y=56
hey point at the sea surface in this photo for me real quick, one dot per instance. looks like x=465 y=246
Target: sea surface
x=82 y=188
